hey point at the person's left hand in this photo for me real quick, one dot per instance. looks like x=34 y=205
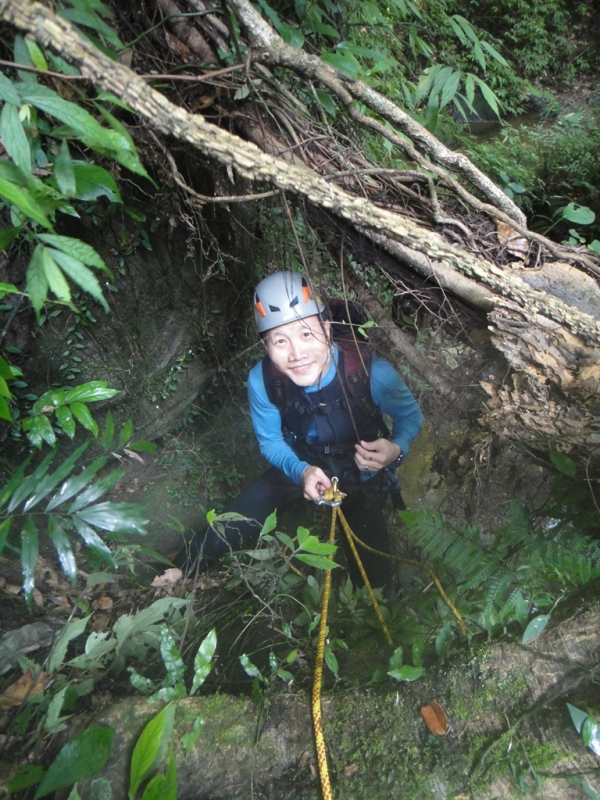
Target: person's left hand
x=373 y=456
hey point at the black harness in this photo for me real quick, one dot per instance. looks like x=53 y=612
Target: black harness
x=338 y=412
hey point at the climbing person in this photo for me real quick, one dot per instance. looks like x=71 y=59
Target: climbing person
x=317 y=406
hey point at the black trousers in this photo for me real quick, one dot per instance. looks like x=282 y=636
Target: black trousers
x=362 y=507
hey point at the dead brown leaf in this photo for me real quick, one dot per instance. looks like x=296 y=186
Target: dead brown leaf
x=435 y=718
x=350 y=770
x=23 y=689
x=516 y=245
x=169 y=578
x=103 y=603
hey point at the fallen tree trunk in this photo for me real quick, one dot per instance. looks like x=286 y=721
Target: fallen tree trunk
x=469 y=276
x=378 y=744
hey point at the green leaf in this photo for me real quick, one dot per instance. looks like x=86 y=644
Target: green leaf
x=139 y=682
x=4 y=531
x=591 y=735
x=326 y=101
x=494 y=53
x=563 y=463
x=5 y=410
x=39 y=429
x=93 y=541
x=346 y=64
x=89 y=392
x=66 y=421
x=55 y=278
x=35 y=53
x=16 y=482
x=26 y=776
x=37 y=285
x=396 y=658
x=62 y=543
x=8 y=93
x=125 y=433
x=6 y=237
x=50 y=481
x=29 y=555
x=89 y=19
x=249 y=668
x=443 y=640
x=535 y=628
x=81 y=275
x=75 y=248
x=143 y=446
x=150 y=748
x=64 y=171
x=595 y=246
x=203 y=660
x=320 y=562
x=407 y=673
x=14 y=138
x=116 y=517
x=109 y=431
x=82 y=414
x=163 y=787
x=96 y=490
x=488 y=95
x=92 y=182
x=21 y=199
x=70 y=631
x=171 y=657
x=582 y=215
x=76 y=483
x=85 y=756
x=578 y=716
x=188 y=740
x=4 y=390
x=331 y=660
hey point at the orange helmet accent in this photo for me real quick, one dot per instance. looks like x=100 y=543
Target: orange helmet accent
x=306 y=293
x=260 y=309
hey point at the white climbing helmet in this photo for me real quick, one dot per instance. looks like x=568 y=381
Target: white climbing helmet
x=284 y=297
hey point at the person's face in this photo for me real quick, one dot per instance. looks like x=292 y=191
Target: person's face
x=300 y=350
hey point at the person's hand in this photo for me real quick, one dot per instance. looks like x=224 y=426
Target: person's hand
x=314 y=481
x=373 y=456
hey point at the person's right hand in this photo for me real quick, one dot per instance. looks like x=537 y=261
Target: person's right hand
x=314 y=481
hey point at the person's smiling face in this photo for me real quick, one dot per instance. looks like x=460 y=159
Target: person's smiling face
x=300 y=350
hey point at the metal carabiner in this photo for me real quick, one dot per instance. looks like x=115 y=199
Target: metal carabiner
x=331 y=497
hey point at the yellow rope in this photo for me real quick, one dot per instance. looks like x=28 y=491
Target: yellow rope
x=318 y=678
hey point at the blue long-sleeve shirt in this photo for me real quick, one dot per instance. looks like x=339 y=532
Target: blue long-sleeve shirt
x=389 y=393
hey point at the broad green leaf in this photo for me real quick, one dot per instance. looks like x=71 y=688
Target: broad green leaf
x=188 y=740
x=467 y=28
x=90 y=392
x=64 y=550
x=39 y=429
x=4 y=390
x=494 y=53
x=426 y=82
x=54 y=276
x=125 y=433
x=128 y=626
x=92 y=181
x=89 y=19
x=291 y=35
x=203 y=660
x=116 y=517
x=449 y=88
x=15 y=482
x=66 y=421
x=143 y=446
x=249 y=668
x=443 y=640
x=93 y=541
x=82 y=414
x=407 y=673
x=26 y=776
x=286 y=540
x=37 y=285
x=75 y=248
x=21 y=56
x=8 y=93
x=488 y=95
x=535 y=628
x=171 y=657
x=85 y=756
x=595 y=246
x=4 y=531
x=139 y=682
x=319 y=562
x=458 y=31
x=591 y=735
x=326 y=101
x=35 y=53
x=331 y=660
x=578 y=716
x=29 y=555
x=79 y=274
x=396 y=658
x=563 y=463
x=50 y=481
x=23 y=489
x=479 y=56
x=76 y=483
x=6 y=237
x=14 y=138
x=64 y=171
x=582 y=215
x=21 y=199
x=109 y=431
x=96 y=490
x=346 y=64
x=167 y=693
x=150 y=748
x=59 y=651
x=5 y=410
x=163 y=787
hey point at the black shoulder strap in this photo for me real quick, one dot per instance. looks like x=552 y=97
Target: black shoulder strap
x=276 y=383
x=357 y=374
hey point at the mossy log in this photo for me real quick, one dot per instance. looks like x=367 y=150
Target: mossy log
x=506 y=710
